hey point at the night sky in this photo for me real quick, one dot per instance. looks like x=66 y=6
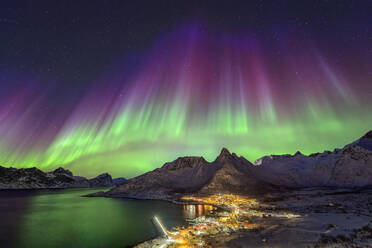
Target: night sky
x=124 y=86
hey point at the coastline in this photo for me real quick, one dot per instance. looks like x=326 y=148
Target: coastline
x=316 y=217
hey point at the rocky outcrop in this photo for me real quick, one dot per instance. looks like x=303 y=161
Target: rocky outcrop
x=119 y=181
x=33 y=178
x=184 y=175
x=233 y=175
x=348 y=167
x=187 y=175
x=105 y=180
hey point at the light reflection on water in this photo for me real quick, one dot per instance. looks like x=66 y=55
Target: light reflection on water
x=62 y=218
x=193 y=211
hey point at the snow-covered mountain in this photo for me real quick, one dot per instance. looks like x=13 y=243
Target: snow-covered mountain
x=350 y=166
x=228 y=173
x=33 y=178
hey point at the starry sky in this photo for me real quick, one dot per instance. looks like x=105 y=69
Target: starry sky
x=124 y=86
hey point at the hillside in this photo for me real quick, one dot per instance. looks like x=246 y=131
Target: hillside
x=348 y=167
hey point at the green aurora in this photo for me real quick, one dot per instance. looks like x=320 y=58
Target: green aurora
x=203 y=95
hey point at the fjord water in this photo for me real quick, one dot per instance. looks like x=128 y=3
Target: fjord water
x=62 y=218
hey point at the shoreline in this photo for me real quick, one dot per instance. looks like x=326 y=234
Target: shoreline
x=316 y=217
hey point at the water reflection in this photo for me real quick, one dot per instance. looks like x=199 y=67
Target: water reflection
x=193 y=211
x=62 y=218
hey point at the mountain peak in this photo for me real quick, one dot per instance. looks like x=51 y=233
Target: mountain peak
x=224 y=154
x=61 y=170
x=297 y=153
x=224 y=151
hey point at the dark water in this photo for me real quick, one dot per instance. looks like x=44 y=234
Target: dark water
x=61 y=218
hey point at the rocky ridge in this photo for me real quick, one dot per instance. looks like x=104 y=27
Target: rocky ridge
x=193 y=175
x=348 y=167
x=33 y=178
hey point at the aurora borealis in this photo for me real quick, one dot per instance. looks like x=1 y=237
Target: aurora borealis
x=191 y=91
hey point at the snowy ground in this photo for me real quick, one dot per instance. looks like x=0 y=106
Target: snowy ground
x=301 y=218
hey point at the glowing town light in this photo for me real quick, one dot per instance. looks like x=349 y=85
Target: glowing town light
x=160 y=226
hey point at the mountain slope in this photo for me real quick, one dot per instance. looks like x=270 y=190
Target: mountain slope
x=233 y=176
x=184 y=175
x=350 y=166
x=33 y=178
x=227 y=173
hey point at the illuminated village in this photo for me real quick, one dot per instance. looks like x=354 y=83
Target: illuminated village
x=316 y=218
x=219 y=215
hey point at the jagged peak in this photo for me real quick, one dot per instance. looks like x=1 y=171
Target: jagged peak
x=183 y=162
x=224 y=150
x=297 y=153
x=235 y=156
x=224 y=153
x=104 y=175
x=61 y=170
